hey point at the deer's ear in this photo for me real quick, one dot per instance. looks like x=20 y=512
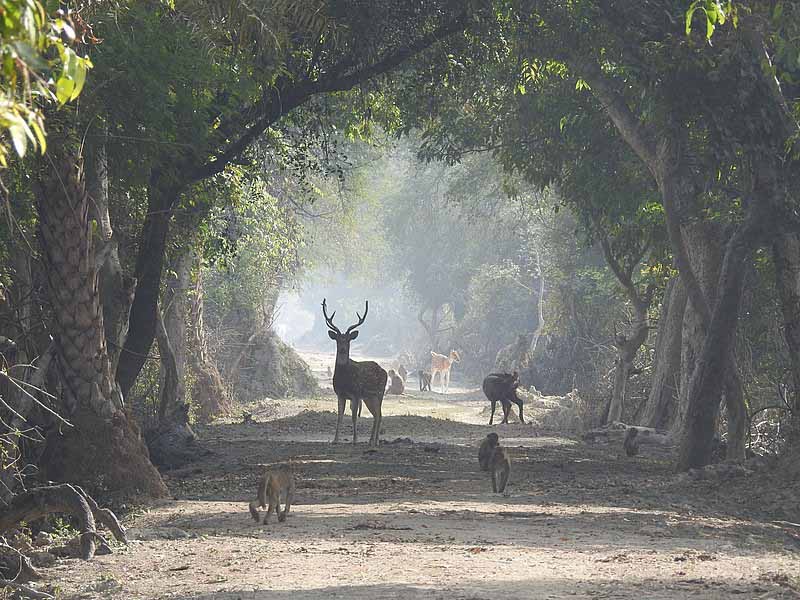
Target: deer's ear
x=354 y=335
x=332 y=335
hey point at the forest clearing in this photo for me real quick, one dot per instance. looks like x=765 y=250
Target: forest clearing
x=417 y=519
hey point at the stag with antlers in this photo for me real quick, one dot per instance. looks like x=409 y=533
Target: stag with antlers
x=356 y=381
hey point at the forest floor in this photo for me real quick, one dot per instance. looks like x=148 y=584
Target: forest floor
x=417 y=519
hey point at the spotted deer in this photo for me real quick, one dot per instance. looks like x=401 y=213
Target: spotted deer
x=441 y=364
x=356 y=381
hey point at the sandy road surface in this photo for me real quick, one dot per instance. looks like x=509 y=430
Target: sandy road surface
x=418 y=520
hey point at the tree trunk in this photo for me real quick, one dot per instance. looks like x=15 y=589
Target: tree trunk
x=104 y=447
x=116 y=289
x=659 y=412
x=208 y=392
x=174 y=315
x=716 y=354
x=786 y=254
x=149 y=264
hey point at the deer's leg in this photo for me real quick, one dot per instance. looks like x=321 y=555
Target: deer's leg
x=519 y=404
x=288 y=503
x=375 y=409
x=342 y=401
x=491 y=417
x=355 y=408
x=506 y=409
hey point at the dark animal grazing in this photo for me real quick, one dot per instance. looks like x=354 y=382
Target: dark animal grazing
x=486 y=450
x=396 y=385
x=502 y=388
x=357 y=381
x=424 y=381
x=500 y=466
x=402 y=372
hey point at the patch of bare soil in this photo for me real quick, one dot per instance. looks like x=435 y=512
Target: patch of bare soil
x=417 y=519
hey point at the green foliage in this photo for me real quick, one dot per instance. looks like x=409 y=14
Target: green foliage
x=39 y=66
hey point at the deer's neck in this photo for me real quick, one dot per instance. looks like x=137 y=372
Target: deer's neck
x=342 y=360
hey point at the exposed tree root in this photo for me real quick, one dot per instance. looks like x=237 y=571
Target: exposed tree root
x=23 y=591
x=64 y=498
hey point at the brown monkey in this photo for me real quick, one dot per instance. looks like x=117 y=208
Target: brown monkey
x=396 y=385
x=424 y=381
x=272 y=484
x=487 y=450
x=500 y=462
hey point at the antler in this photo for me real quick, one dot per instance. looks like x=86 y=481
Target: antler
x=360 y=318
x=329 y=320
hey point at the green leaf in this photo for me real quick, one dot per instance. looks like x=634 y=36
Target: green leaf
x=64 y=88
x=80 y=79
x=18 y=137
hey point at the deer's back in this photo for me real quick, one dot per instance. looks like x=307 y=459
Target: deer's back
x=359 y=379
x=498 y=385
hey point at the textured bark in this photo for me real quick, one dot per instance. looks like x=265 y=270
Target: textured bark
x=149 y=265
x=660 y=410
x=104 y=446
x=786 y=254
x=716 y=357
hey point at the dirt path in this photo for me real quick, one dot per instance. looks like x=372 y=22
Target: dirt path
x=416 y=519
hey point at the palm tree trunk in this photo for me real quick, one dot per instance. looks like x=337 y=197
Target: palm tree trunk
x=104 y=446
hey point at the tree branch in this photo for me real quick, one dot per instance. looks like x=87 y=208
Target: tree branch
x=283 y=98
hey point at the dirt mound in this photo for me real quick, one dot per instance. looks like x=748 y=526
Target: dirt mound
x=273 y=369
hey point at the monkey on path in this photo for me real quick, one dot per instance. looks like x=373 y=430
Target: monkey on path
x=494 y=458
x=487 y=450
x=396 y=385
x=272 y=484
x=424 y=381
x=500 y=463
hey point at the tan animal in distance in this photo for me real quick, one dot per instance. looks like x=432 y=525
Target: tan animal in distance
x=442 y=364
x=396 y=385
x=272 y=484
x=500 y=466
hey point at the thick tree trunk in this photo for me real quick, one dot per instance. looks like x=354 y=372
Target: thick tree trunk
x=716 y=355
x=149 y=266
x=104 y=446
x=659 y=412
x=786 y=255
